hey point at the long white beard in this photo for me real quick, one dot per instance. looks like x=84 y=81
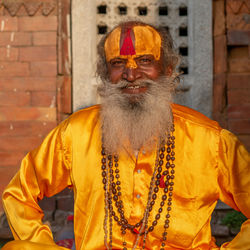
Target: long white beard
x=136 y=121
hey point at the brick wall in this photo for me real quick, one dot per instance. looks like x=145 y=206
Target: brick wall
x=35 y=77
x=28 y=76
x=232 y=66
x=238 y=80
x=231 y=102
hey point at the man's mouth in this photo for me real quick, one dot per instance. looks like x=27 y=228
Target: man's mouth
x=134 y=89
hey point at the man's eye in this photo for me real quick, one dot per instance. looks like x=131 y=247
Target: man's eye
x=145 y=61
x=117 y=62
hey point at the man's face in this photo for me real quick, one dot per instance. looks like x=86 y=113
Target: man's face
x=133 y=54
x=137 y=96
x=147 y=68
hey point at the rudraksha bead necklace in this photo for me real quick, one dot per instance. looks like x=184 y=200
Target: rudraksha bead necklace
x=113 y=194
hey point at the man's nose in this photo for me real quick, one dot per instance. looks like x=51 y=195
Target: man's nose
x=131 y=74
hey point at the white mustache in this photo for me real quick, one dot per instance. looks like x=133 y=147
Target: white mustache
x=137 y=84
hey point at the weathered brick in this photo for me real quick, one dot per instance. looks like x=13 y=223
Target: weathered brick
x=67 y=95
x=237 y=37
x=44 y=38
x=221 y=240
x=239 y=22
x=14 y=69
x=21 y=11
x=61 y=116
x=65 y=62
x=64 y=58
x=238 y=81
x=220 y=230
x=8 y=23
x=219 y=92
x=48 y=204
x=43 y=69
x=26 y=128
x=15 y=98
x=13 y=144
x=27 y=113
x=238 y=52
x=239 y=65
x=28 y=83
x=43 y=99
x=7 y=173
x=239 y=111
x=245 y=139
x=222 y=206
x=239 y=126
x=66 y=204
x=35 y=23
x=220 y=54
x=5 y=232
x=221 y=118
x=234 y=6
x=15 y=38
x=37 y=53
x=245 y=8
x=8 y=159
x=64 y=101
x=33 y=8
x=65 y=200
x=8 y=54
x=219 y=17
x=238 y=96
x=67 y=192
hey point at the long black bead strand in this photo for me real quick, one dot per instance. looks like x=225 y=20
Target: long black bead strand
x=105 y=187
x=169 y=183
x=151 y=197
x=111 y=179
x=156 y=188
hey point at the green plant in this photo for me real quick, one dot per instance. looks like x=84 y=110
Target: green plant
x=233 y=219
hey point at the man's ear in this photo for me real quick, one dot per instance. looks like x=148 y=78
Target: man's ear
x=168 y=71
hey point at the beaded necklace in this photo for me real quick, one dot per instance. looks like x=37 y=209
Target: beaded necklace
x=112 y=194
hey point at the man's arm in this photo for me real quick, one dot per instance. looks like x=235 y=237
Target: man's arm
x=234 y=180
x=44 y=172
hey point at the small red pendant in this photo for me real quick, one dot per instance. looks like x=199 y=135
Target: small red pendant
x=135 y=231
x=162 y=182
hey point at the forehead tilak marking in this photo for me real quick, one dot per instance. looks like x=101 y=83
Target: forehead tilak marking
x=148 y=41
x=145 y=40
x=126 y=42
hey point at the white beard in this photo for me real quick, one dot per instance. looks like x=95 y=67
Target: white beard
x=137 y=120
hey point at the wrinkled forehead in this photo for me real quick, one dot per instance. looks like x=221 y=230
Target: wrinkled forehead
x=133 y=41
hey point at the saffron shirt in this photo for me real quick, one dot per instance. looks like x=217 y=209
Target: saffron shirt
x=211 y=164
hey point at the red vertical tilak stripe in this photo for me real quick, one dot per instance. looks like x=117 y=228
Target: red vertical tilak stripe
x=127 y=47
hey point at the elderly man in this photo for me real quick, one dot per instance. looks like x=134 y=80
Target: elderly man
x=146 y=173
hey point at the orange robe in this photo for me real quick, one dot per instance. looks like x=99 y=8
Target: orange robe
x=211 y=164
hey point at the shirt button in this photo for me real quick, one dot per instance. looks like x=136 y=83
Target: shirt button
x=138 y=171
x=138 y=196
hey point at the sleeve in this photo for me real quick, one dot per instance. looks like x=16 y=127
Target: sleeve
x=44 y=171
x=234 y=181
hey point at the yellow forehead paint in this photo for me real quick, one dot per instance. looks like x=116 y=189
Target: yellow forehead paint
x=147 y=41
